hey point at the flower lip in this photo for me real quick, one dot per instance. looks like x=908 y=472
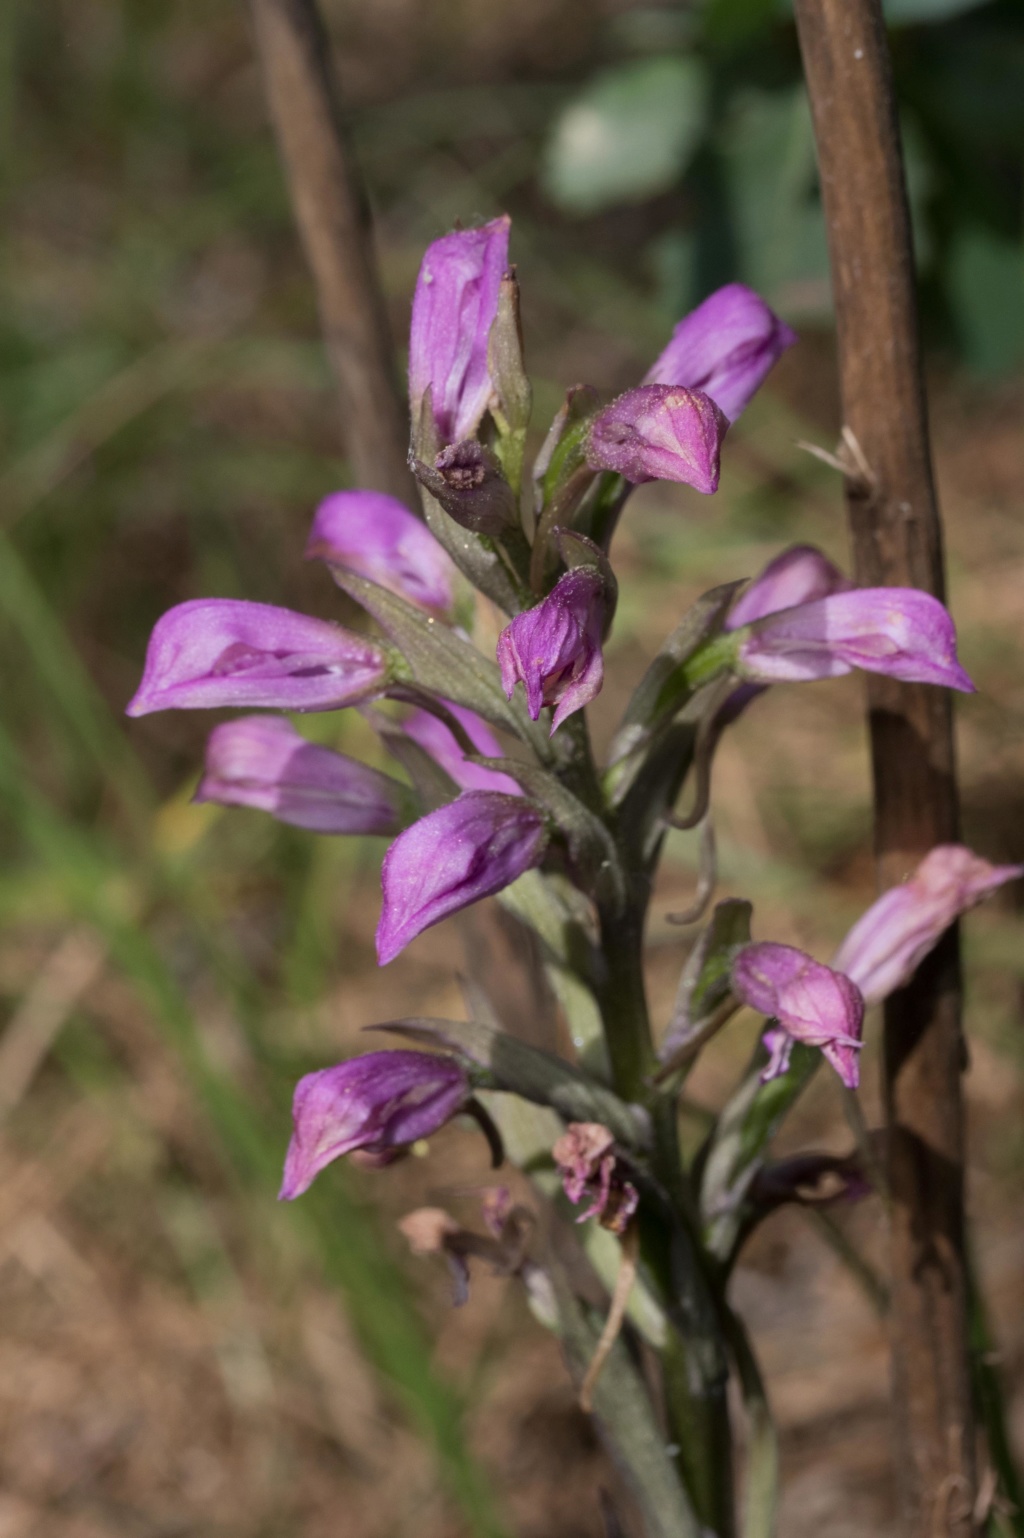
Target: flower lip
x=471 y=848
x=263 y=762
x=379 y=1103
x=377 y=537
x=225 y=651
x=659 y=432
x=724 y=347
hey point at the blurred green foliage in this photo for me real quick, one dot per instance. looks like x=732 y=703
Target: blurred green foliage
x=730 y=151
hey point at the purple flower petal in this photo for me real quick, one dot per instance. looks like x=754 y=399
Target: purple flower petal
x=724 y=347
x=813 y=1003
x=898 y=631
x=466 y=850
x=435 y=738
x=374 y=535
x=379 y=1102
x=659 y=433
x=224 y=651
x=261 y=761
x=797 y=576
x=554 y=649
x=888 y=943
x=453 y=309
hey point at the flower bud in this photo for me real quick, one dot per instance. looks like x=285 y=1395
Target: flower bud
x=261 y=761
x=811 y=1002
x=554 y=649
x=897 y=631
x=453 y=309
x=375 y=536
x=888 y=943
x=659 y=433
x=724 y=347
x=471 y=848
x=225 y=651
x=379 y=1102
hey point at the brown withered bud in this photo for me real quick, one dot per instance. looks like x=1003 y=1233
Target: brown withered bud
x=433 y=1231
x=592 y=1172
x=467 y=481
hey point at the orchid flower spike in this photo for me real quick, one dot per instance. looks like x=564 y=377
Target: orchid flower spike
x=453 y=310
x=373 y=535
x=888 y=943
x=263 y=762
x=379 y=1103
x=811 y=1002
x=659 y=433
x=554 y=649
x=225 y=651
x=725 y=347
x=471 y=848
x=897 y=631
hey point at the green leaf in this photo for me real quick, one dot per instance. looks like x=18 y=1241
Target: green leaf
x=705 y=982
x=739 y=1142
x=767 y=154
x=535 y=1075
x=906 y=12
x=622 y=1406
x=629 y=135
x=986 y=284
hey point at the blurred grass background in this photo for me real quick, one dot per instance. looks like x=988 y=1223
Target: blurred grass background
x=178 y=1353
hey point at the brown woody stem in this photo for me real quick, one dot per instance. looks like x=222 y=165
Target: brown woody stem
x=897 y=540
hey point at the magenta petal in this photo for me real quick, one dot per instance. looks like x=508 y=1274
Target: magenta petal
x=375 y=536
x=263 y=762
x=434 y=738
x=379 y=1102
x=659 y=433
x=554 y=649
x=888 y=943
x=797 y=576
x=814 y=1003
x=466 y=850
x=724 y=347
x=453 y=309
x=224 y=651
x=898 y=631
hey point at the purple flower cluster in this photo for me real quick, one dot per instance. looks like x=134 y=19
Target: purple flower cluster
x=799 y=620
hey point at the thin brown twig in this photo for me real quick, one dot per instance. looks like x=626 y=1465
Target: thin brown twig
x=333 y=219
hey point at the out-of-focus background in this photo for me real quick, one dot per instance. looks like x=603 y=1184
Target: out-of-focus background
x=178 y=1353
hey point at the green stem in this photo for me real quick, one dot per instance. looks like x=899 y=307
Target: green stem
x=694 y=1362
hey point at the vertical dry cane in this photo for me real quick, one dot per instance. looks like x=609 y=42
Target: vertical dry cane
x=331 y=213
x=897 y=539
